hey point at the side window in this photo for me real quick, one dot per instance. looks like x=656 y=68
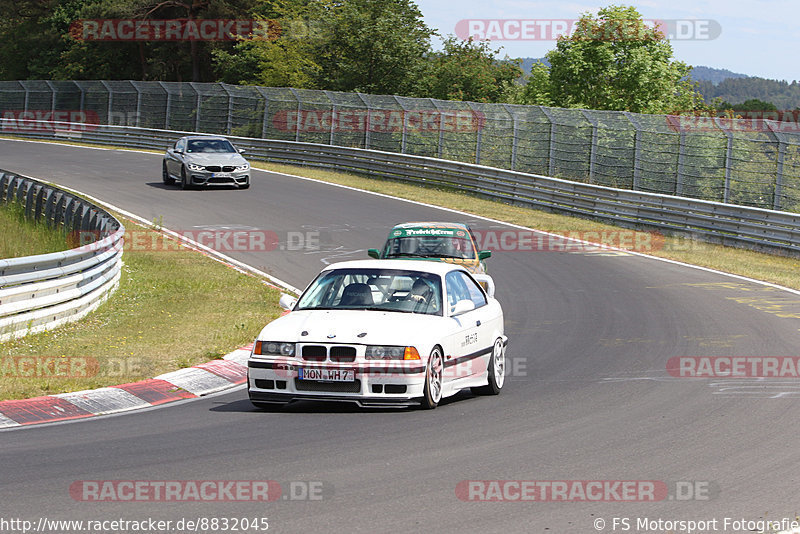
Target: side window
x=456 y=290
x=180 y=145
x=475 y=293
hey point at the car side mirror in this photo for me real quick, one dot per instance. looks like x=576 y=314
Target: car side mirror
x=486 y=282
x=176 y=151
x=374 y=253
x=241 y=151
x=287 y=302
x=483 y=254
x=462 y=306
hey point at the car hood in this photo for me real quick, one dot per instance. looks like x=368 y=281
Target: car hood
x=230 y=158
x=472 y=265
x=362 y=327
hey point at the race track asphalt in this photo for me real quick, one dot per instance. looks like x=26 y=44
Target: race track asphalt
x=588 y=398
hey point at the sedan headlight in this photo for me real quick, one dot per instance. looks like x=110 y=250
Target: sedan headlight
x=390 y=352
x=244 y=167
x=195 y=167
x=273 y=348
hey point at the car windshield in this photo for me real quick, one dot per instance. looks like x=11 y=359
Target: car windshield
x=389 y=290
x=220 y=146
x=429 y=247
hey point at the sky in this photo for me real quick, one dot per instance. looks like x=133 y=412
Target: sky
x=755 y=37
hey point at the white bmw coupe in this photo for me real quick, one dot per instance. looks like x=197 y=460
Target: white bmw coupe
x=382 y=333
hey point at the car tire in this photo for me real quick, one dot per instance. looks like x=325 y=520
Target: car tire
x=434 y=380
x=168 y=180
x=184 y=182
x=496 y=372
x=246 y=185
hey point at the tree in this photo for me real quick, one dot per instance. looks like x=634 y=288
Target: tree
x=466 y=70
x=615 y=62
x=287 y=59
x=375 y=46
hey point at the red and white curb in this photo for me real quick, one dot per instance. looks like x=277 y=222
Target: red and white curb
x=189 y=383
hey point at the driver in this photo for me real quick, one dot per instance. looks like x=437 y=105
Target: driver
x=420 y=292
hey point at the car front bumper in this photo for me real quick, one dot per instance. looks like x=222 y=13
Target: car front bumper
x=215 y=179
x=375 y=384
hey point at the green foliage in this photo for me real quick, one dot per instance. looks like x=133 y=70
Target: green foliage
x=375 y=46
x=784 y=95
x=466 y=70
x=615 y=62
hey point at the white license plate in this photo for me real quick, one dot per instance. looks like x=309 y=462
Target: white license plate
x=221 y=175
x=328 y=375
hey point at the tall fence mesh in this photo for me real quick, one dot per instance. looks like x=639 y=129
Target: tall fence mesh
x=746 y=162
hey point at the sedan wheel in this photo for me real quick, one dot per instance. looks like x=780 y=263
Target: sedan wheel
x=184 y=182
x=168 y=180
x=497 y=371
x=433 y=380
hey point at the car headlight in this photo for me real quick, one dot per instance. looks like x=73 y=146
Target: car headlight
x=273 y=348
x=195 y=167
x=390 y=352
x=244 y=167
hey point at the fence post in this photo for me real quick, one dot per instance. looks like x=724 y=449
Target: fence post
x=138 y=104
x=403 y=135
x=110 y=101
x=52 y=96
x=169 y=104
x=637 y=169
x=726 y=192
x=229 y=125
x=478 y=138
x=367 y=122
x=593 y=148
x=681 y=162
x=515 y=129
x=197 y=106
x=779 y=138
x=551 y=156
x=265 y=120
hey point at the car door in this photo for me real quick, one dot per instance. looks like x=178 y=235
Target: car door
x=173 y=158
x=469 y=336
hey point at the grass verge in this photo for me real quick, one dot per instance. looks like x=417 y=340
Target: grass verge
x=770 y=268
x=174 y=308
x=20 y=236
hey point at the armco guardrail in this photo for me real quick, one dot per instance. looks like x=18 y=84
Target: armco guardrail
x=711 y=221
x=749 y=162
x=42 y=292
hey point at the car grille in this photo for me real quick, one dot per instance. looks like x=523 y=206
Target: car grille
x=320 y=353
x=328 y=387
x=217 y=168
